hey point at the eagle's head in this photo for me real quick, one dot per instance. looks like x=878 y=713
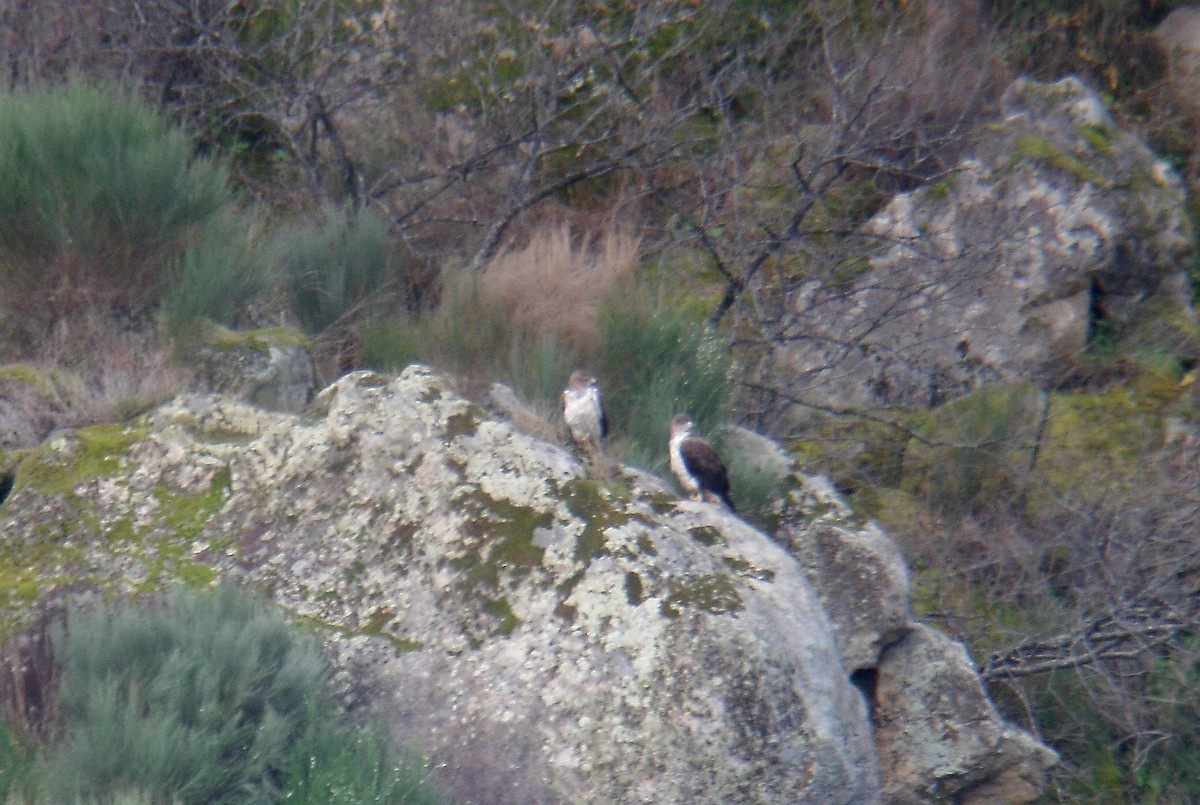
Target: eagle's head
x=581 y=379
x=681 y=423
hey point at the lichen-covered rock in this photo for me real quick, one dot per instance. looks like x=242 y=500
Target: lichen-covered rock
x=857 y=571
x=939 y=737
x=544 y=636
x=1058 y=224
x=270 y=368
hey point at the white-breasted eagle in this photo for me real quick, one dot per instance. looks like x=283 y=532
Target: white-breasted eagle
x=583 y=411
x=699 y=469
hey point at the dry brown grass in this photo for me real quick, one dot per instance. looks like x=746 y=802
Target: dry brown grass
x=553 y=286
x=87 y=372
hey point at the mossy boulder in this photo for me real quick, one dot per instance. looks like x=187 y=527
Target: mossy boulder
x=566 y=637
x=1059 y=226
x=271 y=368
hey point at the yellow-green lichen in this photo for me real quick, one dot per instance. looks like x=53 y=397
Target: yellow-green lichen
x=98 y=453
x=588 y=501
x=1039 y=148
x=187 y=514
x=261 y=340
x=706 y=535
x=747 y=569
x=501 y=535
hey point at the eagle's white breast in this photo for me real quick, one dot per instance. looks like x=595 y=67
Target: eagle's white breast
x=583 y=413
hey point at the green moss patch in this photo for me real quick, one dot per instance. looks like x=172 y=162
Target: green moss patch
x=97 y=454
x=187 y=514
x=501 y=535
x=1043 y=150
x=589 y=502
x=716 y=593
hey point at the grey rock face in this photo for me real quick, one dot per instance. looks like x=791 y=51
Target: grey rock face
x=543 y=636
x=938 y=736
x=271 y=368
x=1058 y=220
x=856 y=569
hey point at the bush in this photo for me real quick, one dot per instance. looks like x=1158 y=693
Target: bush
x=16 y=764
x=201 y=699
x=335 y=269
x=101 y=198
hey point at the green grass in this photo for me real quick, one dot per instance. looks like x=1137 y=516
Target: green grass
x=340 y=765
x=656 y=361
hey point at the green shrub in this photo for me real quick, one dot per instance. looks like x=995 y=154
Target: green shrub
x=16 y=764
x=334 y=269
x=100 y=199
x=656 y=361
x=216 y=276
x=201 y=699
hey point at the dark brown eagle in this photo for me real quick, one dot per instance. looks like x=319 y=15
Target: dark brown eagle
x=699 y=469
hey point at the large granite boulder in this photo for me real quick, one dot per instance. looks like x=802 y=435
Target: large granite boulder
x=939 y=737
x=542 y=635
x=1058 y=227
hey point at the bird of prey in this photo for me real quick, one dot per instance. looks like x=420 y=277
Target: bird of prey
x=583 y=411
x=699 y=469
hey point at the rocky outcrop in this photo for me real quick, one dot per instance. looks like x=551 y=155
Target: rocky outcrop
x=270 y=368
x=561 y=638
x=543 y=634
x=1058 y=227
x=939 y=738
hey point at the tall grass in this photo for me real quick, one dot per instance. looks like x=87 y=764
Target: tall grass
x=100 y=199
x=339 y=765
x=528 y=319
x=658 y=360
x=562 y=302
x=336 y=268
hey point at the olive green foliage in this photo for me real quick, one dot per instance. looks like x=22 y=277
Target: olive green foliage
x=104 y=203
x=977 y=449
x=335 y=269
x=340 y=765
x=16 y=764
x=200 y=699
x=207 y=697
x=658 y=360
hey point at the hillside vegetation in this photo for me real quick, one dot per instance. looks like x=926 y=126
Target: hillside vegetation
x=511 y=190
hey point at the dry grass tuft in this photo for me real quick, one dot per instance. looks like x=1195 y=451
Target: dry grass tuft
x=85 y=373
x=554 y=285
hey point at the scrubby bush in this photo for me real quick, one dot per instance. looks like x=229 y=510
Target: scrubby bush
x=336 y=268
x=200 y=699
x=105 y=205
